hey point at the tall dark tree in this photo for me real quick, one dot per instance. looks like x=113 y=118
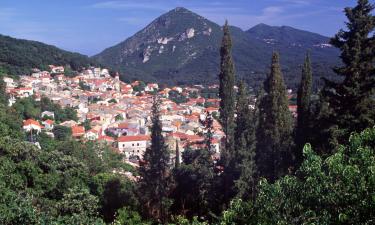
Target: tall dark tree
x=303 y=109
x=155 y=183
x=351 y=102
x=227 y=110
x=244 y=163
x=274 y=132
x=226 y=91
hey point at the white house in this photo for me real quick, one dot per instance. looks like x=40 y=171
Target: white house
x=57 y=69
x=92 y=134
x=48 y=113
x=48 y=124
x=25 y=92
x=9 y=82
x=133 y=145
x=30 y=125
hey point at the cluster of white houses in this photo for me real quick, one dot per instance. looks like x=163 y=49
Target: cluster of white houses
x=117 y=114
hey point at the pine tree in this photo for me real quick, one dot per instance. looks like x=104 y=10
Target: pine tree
x=226 y=92
x=274 y=131
x=350 y=102
x=303 y=109
x=244 y=164
x=155 y=182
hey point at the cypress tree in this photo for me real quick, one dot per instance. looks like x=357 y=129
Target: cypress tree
x=154 y=185
x=226 y=92
x=227 y=110
x=350 y=102
x=303 y=109
x=274 y=131
x=244 y=164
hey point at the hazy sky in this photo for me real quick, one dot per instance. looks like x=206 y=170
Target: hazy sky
x=89 y=26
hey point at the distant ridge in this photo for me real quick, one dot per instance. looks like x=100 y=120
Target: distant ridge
x=19 y=56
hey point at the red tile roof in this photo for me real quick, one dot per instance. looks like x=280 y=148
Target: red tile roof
x=134 y=138
x=78 y=131
x=31 y=122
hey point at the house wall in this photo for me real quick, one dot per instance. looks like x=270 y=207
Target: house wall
x=133 y=148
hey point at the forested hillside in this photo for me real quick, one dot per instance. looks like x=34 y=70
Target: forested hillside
x=19 y=56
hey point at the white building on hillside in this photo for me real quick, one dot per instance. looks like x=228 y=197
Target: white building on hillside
x=133 y=145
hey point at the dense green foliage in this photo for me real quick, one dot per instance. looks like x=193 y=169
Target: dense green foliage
x=19 y=56
x=176 y=97
x=64 y=182
x=243 y=164
x=28 y=108
x=193 y=194
x=335 y=190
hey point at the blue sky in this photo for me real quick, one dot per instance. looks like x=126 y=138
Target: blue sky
x=89 y=26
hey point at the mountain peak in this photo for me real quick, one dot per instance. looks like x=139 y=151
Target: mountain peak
x=181 y=9
x=182 y=46
x=262 y=25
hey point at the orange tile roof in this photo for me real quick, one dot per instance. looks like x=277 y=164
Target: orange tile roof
x=31 y=122
x=179 y=135
x=134 y=138
x=194 y=138
x=78 y=131
x=123 y=125
x=211 y=109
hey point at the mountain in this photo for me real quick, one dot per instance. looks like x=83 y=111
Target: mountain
x=288 y=36
x=19 y=56
x=183 y=47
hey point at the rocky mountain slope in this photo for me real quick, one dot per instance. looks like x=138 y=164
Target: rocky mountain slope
x=183 y=47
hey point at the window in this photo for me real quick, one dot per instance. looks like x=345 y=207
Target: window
x=133 y=144
x=137 y=144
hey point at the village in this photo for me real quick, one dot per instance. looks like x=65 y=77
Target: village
x=118 y=113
